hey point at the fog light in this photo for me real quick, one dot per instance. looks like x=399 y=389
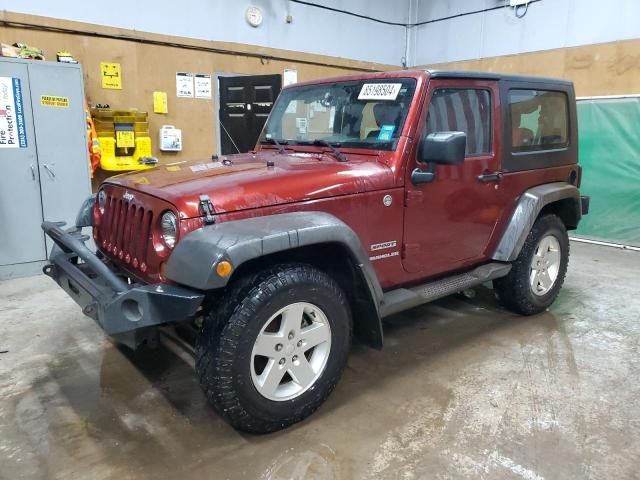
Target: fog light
x=224 y=268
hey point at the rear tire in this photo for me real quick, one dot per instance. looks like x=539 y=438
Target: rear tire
x=255 y=357
x=537 y=274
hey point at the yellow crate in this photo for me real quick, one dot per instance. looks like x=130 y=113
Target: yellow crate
x=113 y=163
x=119 y=116
x=103 y=127
x=141 y=129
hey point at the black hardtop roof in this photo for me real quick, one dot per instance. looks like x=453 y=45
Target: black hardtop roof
x=494 y=76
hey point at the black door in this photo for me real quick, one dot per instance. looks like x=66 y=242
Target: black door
x=245 y=103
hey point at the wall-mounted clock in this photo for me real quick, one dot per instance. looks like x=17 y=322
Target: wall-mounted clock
x=254 y=16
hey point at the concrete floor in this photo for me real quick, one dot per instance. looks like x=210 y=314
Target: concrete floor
x=463 y=389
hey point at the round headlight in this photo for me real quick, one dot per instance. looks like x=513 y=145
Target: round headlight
x=169 y=228
x=102 y=200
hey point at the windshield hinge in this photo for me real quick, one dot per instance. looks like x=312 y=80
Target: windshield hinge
x=206 y=208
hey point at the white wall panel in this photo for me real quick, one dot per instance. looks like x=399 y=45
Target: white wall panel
x=313 y=30
x=548 y=24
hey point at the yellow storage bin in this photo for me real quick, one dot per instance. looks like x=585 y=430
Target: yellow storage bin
x=124 y=139
x=113 y=163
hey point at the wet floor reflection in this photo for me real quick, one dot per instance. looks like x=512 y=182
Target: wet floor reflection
x=127 y=412
x=462 y=388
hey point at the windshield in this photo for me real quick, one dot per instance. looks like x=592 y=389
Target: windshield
x=356 y=114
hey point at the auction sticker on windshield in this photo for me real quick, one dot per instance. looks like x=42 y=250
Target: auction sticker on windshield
x=379 y=91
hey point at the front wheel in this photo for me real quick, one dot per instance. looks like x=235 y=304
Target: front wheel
x=273 y=350
x=537 y=274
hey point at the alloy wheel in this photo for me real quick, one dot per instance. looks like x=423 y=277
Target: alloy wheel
x=291 y=351
x=545 y=265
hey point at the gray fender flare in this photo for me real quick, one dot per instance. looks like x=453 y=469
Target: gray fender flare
x=193 y=261
x=524 y=216
x=85 y=214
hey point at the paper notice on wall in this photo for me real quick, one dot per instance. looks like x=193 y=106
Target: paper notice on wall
x=290 y=77
x=111 y=75
x=203 y=85
x=160 y=102
x=184 y=85
x=13 y=131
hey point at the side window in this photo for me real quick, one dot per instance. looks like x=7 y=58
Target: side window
x=539 y=120
x=462 y=110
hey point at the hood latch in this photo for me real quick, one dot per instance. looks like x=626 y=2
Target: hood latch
x=206 y=208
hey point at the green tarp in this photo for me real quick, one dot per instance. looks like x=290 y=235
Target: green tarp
x=610 y=157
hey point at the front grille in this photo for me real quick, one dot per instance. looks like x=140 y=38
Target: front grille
x=125 y=230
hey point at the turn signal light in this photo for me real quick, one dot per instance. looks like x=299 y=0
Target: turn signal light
x=224 y=268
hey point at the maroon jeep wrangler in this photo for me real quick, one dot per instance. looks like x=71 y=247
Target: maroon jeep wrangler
x=366 y=195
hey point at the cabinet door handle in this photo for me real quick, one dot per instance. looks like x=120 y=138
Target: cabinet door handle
x=48 y=169
x=33 y=172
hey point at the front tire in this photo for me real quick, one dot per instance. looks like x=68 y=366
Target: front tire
x=537 y=274
x=274 y=348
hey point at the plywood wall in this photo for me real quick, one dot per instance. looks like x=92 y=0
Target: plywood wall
x=601 y=69
x=147 y=68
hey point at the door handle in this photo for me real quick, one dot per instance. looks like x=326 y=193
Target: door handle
x=420 y=176
x=33 y=172
x=491 y=177
x=48 y=169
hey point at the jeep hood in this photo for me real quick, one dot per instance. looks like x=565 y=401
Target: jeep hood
x=247 y=181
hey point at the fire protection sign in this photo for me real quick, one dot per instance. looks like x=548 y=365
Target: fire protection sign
x=13 y=131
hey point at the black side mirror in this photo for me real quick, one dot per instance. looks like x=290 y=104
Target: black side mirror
x=447 y=148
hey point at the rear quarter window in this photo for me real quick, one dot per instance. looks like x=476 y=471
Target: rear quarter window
x=539 y=120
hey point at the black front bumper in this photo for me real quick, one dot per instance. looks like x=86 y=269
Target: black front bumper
x=117 y=306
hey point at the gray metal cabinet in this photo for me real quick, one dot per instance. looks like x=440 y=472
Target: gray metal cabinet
x=44 y=165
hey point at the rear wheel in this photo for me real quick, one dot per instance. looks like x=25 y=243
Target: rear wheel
x=274 y=348
x=537 y=274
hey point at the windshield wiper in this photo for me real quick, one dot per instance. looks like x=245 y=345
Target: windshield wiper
x=277 y=143
x=339 y=155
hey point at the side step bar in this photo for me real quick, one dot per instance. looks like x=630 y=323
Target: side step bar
x=401 y=299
